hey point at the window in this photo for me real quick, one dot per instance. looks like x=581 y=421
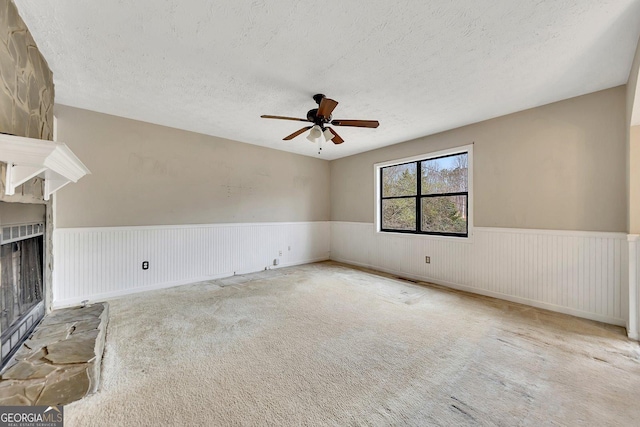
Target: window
x=426 y=196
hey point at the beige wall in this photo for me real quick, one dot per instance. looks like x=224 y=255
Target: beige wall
x=634 y=180
x=632 y=85
x=145 y=174
x=633 y=165
x=559 y=166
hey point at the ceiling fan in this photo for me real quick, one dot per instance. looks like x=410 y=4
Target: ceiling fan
x=321 y=117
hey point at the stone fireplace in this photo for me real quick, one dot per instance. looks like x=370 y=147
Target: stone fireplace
x=32 y=169
x=26 y=110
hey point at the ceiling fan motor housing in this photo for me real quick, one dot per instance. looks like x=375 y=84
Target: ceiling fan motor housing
x=312 y=116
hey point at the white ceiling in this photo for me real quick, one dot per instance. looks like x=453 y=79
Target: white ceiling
x=419 y=67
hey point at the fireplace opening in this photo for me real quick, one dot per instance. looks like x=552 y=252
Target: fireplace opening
x=21 y=279
x=21 y=275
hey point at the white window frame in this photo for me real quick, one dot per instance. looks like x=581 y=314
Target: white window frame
x=427 y=156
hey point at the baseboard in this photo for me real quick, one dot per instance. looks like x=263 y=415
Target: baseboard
x=506 y=297
x=307 y=261
x=118 y=294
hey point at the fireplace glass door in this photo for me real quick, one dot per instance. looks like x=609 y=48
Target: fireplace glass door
x=21 y=287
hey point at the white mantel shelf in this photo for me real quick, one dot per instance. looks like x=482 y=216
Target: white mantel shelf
x=27 y=158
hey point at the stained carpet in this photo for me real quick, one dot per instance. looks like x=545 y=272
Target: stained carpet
x=326 y=344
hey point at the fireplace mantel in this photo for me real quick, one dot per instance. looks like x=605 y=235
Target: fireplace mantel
x=27 y=158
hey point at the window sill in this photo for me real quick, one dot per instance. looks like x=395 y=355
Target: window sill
x=452 y=239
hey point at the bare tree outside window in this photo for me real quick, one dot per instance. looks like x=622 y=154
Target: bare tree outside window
x=398 y=182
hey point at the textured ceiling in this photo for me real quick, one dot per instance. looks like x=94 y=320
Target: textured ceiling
x=419 y=67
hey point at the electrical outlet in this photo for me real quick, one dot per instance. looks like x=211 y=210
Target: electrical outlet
x=289 y=247
x=427 y=260
x=145 y=265
x=279 y=253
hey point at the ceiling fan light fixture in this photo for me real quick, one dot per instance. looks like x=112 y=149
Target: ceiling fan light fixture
x=315 y=134
x=328 y=135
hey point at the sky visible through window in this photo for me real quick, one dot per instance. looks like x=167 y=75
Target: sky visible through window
x=449 y=162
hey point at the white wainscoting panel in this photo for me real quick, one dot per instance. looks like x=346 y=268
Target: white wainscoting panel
x=578 y=273
x=637 y=317
x=98 y=263
x=633 y=325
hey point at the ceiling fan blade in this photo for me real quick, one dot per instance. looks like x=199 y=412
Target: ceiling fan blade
x=296 y=133
x=326 y=107
x=336 y=138
x=356 y=123
x=284 y=118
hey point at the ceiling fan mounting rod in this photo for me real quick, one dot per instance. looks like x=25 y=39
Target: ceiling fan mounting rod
x=318 y=97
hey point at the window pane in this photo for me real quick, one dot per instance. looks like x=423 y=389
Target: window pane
x=445 y=174
x=444 y=214
x=399 y=214
x=400 y=180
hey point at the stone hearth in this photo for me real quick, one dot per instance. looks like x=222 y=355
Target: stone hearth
x=60 y=363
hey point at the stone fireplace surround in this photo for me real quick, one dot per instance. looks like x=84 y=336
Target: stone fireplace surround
x=26 y=114
x=26 y=109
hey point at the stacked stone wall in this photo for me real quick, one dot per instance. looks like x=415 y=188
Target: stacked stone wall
x=26 y=82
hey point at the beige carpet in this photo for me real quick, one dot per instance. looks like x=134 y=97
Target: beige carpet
x=325 y=344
